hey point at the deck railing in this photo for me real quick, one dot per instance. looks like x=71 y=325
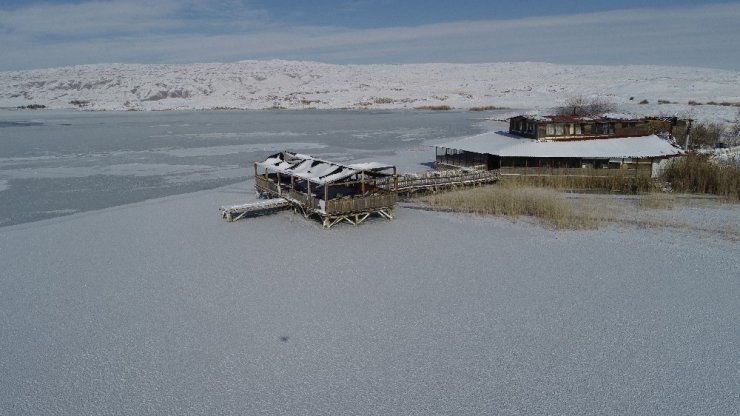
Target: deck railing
x=445 y=178
x=380 y=193
x=264 y=184
x=360 y=204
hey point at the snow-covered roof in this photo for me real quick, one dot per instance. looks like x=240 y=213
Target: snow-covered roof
x=568 y=118
x=317 y=170
x=504 y=144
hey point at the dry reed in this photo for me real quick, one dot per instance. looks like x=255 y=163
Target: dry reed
x=621 y=184
x=696 y=173
x=435 y=107
x=487 y=108
x=548 y=206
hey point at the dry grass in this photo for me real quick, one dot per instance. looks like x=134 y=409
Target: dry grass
x=621 y=184
x=487 y=108
x=435 y=107
x=546 y=205
x=570 y=211
x=696 y=173
x=656 y=200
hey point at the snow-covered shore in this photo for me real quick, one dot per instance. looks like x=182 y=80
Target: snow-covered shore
x=298 y=85
x=162 y=307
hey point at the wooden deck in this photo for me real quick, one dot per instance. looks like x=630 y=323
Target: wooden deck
x=236 y=212
x=354 y=209
x=445 y=179
x=375 y=196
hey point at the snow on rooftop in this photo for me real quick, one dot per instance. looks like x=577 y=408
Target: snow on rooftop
x=368 y=166
x=317 y=170
x=504 y=144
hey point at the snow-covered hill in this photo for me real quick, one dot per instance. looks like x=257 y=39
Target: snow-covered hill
x=297 y=85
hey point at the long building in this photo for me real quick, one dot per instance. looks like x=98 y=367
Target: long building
x=570 y=127
x=516 y=153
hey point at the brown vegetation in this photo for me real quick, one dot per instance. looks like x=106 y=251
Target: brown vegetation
x=696 y=173
x=487 y=108
x=435 y=107
x=549 y=206
x=620 y=184
x=582 y=106
x=711 y=134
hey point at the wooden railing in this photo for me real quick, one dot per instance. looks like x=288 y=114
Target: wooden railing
x=360 y=204
x=308 y=202
x=338 y=206
x=445 y=178
x=265 y=185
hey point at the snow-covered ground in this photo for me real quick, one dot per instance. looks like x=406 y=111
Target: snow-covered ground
x=297 y=85
x=161 y=307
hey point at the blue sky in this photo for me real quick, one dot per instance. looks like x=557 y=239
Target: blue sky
x=39 y=34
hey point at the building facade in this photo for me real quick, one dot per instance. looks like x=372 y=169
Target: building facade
x=559 y=127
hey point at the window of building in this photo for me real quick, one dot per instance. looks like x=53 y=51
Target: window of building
x=579 y=129
x=603 y=128
x=550 y=129
x=559 y=129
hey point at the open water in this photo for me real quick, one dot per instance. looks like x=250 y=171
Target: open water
x=55 y=163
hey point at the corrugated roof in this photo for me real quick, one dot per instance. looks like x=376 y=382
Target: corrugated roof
x=504 y=144
x=316 y=170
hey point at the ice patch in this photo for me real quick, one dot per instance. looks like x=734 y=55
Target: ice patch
x=126 y=169
x=61 y=211
x=231 y=135
x=238 y=148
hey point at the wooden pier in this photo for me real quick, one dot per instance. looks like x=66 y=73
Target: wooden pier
x=439 y=180
x=334 y=192
x=236 y=212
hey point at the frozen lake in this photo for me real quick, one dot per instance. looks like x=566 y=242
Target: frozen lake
x=161 y=307
x=55 y=163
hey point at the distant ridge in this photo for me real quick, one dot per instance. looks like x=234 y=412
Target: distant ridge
x=304 y=85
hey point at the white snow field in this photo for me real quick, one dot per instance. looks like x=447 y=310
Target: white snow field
x=161 y=307
x=298 y=84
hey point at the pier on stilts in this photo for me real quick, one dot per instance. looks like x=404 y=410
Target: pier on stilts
x=334 y=192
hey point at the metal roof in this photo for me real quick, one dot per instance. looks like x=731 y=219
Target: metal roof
x=507 y=145
x=317 y=170
x=580 y=119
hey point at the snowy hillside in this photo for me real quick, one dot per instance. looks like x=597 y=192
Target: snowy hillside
x=298 y=85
